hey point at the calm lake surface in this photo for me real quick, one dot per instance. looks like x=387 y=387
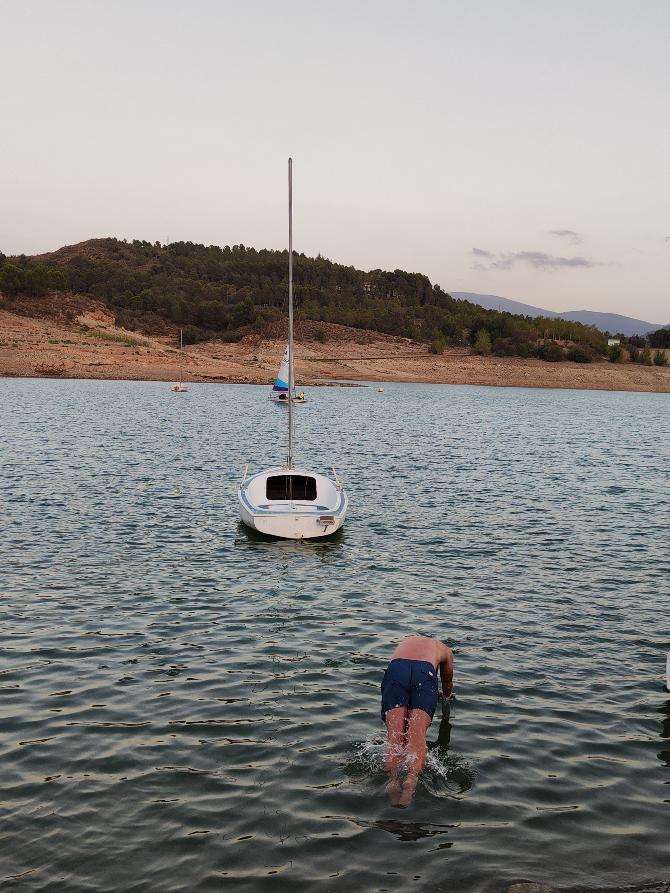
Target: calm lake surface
x=186 y=707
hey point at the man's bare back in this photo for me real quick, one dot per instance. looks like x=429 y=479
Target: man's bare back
x=420 y=648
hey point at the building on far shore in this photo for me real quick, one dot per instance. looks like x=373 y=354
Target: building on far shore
x=612 y=342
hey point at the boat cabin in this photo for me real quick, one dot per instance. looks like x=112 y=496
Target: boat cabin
x=281 y=490
x=290 y=486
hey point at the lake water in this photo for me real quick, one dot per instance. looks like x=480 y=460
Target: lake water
x=186 y=707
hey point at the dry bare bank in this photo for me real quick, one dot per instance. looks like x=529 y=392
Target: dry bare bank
x=80 y=340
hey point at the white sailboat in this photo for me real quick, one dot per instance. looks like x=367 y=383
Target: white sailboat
x=180 y=387
x=281 y=386
x=287 y=501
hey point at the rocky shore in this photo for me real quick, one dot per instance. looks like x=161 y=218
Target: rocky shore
x=82 y=341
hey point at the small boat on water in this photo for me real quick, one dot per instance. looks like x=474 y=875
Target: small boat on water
x=380 y=390
x=292 y=503
x=180 y=387
x=288 y=501
x=280 y=388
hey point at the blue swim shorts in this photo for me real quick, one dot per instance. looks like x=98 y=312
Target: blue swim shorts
x=411 y=684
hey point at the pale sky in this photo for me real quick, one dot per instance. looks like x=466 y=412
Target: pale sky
x=513 y=147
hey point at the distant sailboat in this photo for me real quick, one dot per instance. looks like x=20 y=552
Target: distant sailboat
x=285 y=501
x=280 y=387
x=180 y=387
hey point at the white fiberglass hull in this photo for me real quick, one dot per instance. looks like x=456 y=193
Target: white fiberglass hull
x=297 y=518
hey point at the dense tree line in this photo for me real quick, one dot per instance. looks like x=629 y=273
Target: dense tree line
x=233 y=290
x=660 y=338
x=21 y=276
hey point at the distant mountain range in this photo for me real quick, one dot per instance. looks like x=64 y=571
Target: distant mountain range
x=606 y=322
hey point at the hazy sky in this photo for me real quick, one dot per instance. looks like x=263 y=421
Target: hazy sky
x=513 y=147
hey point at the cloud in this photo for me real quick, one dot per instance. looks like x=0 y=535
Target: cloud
x=572 y=237
x=667 y=239
x=539 y=260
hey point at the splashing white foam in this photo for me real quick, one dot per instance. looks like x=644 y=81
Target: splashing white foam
x=445 y=774
x=367 y=756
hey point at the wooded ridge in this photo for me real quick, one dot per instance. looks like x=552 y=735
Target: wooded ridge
x=232 y=291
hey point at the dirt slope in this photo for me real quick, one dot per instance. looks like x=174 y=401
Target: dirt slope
x=76 y=338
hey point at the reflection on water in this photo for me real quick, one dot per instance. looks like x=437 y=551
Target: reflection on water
x=441 y=743
x=322 y=545
x=188 y=706
x=664 y=710
x=407 y=831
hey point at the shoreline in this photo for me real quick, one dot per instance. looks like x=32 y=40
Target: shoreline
x=89 y=345
x=331 y=384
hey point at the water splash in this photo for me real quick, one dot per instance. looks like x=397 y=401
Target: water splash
x=446 y=774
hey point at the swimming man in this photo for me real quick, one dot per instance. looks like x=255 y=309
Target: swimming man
x=409 y=697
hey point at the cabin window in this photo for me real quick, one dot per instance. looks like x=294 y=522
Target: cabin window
x=290 y=486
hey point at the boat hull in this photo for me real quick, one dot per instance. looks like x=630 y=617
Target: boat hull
x=283 y=399
x=297 y=519
x=290 y=526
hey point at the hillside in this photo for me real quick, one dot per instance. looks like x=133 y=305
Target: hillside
x=232 y=291
x=604 y=322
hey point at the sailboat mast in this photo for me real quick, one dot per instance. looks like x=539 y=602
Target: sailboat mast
x=290 y=313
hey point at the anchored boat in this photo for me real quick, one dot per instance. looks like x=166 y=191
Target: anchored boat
x=280 y=388
x=180 y=387
x=286 y=501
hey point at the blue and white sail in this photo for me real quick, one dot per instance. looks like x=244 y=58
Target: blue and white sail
x=280 y=389
x=281 y=381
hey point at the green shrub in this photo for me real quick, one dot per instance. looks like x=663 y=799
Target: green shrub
x=525 y=350
x=551 y=352
x=580 y=354
x=615 y=353
x=437 y=345
x=126 y=340
x=509 y=347
x=646 y=356
x=504 y=347
x=192 y=334
x=634 y=354
x=660 y=358
x=321 y=336
x=482 y=343
x=660 y=338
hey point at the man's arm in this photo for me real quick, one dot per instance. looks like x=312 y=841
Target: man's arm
x=447 y=671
